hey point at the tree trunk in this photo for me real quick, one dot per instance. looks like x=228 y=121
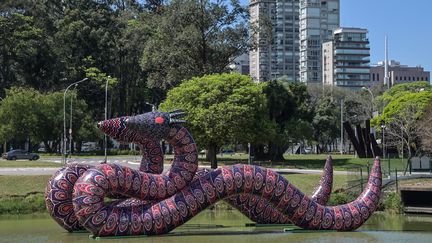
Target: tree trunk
x=276 y=152
x=258 y=153
x=211 y=155
x=48 y=148
x=79 y=146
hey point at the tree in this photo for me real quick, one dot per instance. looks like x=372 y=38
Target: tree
x=405 y=106
x=25 y=58
x=19 y=114
x=28 y=114
x=424 y=129
x=193 y=38
x=325 y=124
x=222 y=108
x=287 y=105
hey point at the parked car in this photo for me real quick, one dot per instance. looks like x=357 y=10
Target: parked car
x=228 y=151
x=20 y=154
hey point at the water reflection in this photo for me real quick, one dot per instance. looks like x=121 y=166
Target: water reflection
x=224 y=226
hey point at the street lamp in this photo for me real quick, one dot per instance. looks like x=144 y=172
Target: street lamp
x=383 y=127
x=64 y=118
x=373 y=98
x=152 y=105
x=341 y=124
x=70 y=124
x=5 y=145
x=106 y=117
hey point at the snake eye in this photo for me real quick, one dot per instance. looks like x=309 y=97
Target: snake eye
x=159 y=120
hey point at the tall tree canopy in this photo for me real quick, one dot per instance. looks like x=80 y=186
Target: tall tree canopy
x=405 y=106
x=28 y=114
x=291 y=114
x=222 y=109
x=191 y=38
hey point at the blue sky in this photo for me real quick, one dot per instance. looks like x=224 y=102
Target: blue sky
x=407 y=23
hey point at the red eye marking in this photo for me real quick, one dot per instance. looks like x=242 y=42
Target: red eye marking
x=159 y=120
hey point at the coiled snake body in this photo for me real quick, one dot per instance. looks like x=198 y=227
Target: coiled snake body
x=160 y=203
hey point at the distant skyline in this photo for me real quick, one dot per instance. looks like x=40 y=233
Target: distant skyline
x=407 y=24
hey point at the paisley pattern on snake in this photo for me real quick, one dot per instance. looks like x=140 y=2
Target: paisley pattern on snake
x=259 y=210
x=58 y=193
x=60 y=186
x=166 y=209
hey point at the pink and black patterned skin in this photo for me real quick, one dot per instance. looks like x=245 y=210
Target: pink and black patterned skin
x=58 y=196
x=165 y=215
x=259 y=210
x=58 y=193
x=160 y=203
x=127 y=129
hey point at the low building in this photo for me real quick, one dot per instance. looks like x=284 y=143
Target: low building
x=241 y=64
x=346 y=59
x=398 y=73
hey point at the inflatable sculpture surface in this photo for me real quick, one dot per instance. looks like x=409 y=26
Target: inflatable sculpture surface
x=149 y=202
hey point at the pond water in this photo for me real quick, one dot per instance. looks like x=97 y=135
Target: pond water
x=226 y=226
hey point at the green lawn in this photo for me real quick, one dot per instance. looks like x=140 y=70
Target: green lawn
x=312 y=161
x=22 y=185
x=308 y=183
x=26 y=163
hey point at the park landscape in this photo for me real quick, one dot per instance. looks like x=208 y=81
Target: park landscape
x=64 y=67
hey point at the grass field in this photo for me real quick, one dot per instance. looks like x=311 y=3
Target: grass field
x=22 y=194
x=22 y=185
x=26 y=163
x=25 y=194
x=314 y=161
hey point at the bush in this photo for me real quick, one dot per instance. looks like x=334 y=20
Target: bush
x=341 y=198
x=392 y=203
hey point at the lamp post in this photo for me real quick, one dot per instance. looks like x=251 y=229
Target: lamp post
x=70 y=124
x=383 y=127
x=341 y=131
x=5 y=144
x=64 y=118
x=106 y=117
x=152 y=105
x=373 y=98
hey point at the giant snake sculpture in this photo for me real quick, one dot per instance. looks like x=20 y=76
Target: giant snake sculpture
x=153 y=203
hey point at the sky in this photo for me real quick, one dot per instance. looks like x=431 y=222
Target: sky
x=407 y=24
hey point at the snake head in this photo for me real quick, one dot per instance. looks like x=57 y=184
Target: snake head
x=151 y=125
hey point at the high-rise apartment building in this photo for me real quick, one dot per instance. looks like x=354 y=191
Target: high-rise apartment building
x=346 y=59
x=277 y=54
x=318 y=20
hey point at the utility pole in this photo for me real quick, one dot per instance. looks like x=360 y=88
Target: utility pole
x=106 y=118
x=341 y=124
x=386 y=72
x=64 y=120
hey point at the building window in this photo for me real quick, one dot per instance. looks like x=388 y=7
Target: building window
x=404 y=78
x=373 y=76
